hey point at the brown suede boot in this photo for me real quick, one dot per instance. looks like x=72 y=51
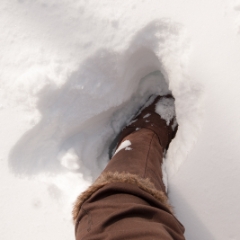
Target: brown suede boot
x=148 y=118
x=128 y=200
x=143 y=141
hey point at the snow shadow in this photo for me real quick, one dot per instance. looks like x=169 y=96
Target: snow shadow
x=186 y=214
x=80 y=119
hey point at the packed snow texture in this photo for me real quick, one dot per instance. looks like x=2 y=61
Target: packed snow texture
x=166 y=109
x=73 y=73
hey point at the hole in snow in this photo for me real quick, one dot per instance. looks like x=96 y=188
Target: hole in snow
x=101 y=96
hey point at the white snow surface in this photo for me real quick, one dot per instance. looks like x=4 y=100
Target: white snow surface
x=72 y=75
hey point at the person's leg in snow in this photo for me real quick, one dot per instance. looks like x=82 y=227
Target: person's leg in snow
x=128 y=200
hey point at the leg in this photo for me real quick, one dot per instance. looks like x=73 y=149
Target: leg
x=128 y=200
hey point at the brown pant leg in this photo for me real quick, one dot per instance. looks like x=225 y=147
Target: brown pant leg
x=128 y=200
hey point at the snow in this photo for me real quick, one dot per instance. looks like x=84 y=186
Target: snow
x=147 y=115
x=73 y=73
x=125 y=144
x=166 y=109
x=128 y=148
x=70 y=160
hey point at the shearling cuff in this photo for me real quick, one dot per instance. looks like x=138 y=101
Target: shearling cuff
x=110 y=177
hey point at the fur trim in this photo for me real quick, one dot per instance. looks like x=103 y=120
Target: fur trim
x=110 y=177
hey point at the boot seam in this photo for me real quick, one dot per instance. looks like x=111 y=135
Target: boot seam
x=146 y=164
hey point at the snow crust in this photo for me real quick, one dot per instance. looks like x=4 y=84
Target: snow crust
x=72 y=75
